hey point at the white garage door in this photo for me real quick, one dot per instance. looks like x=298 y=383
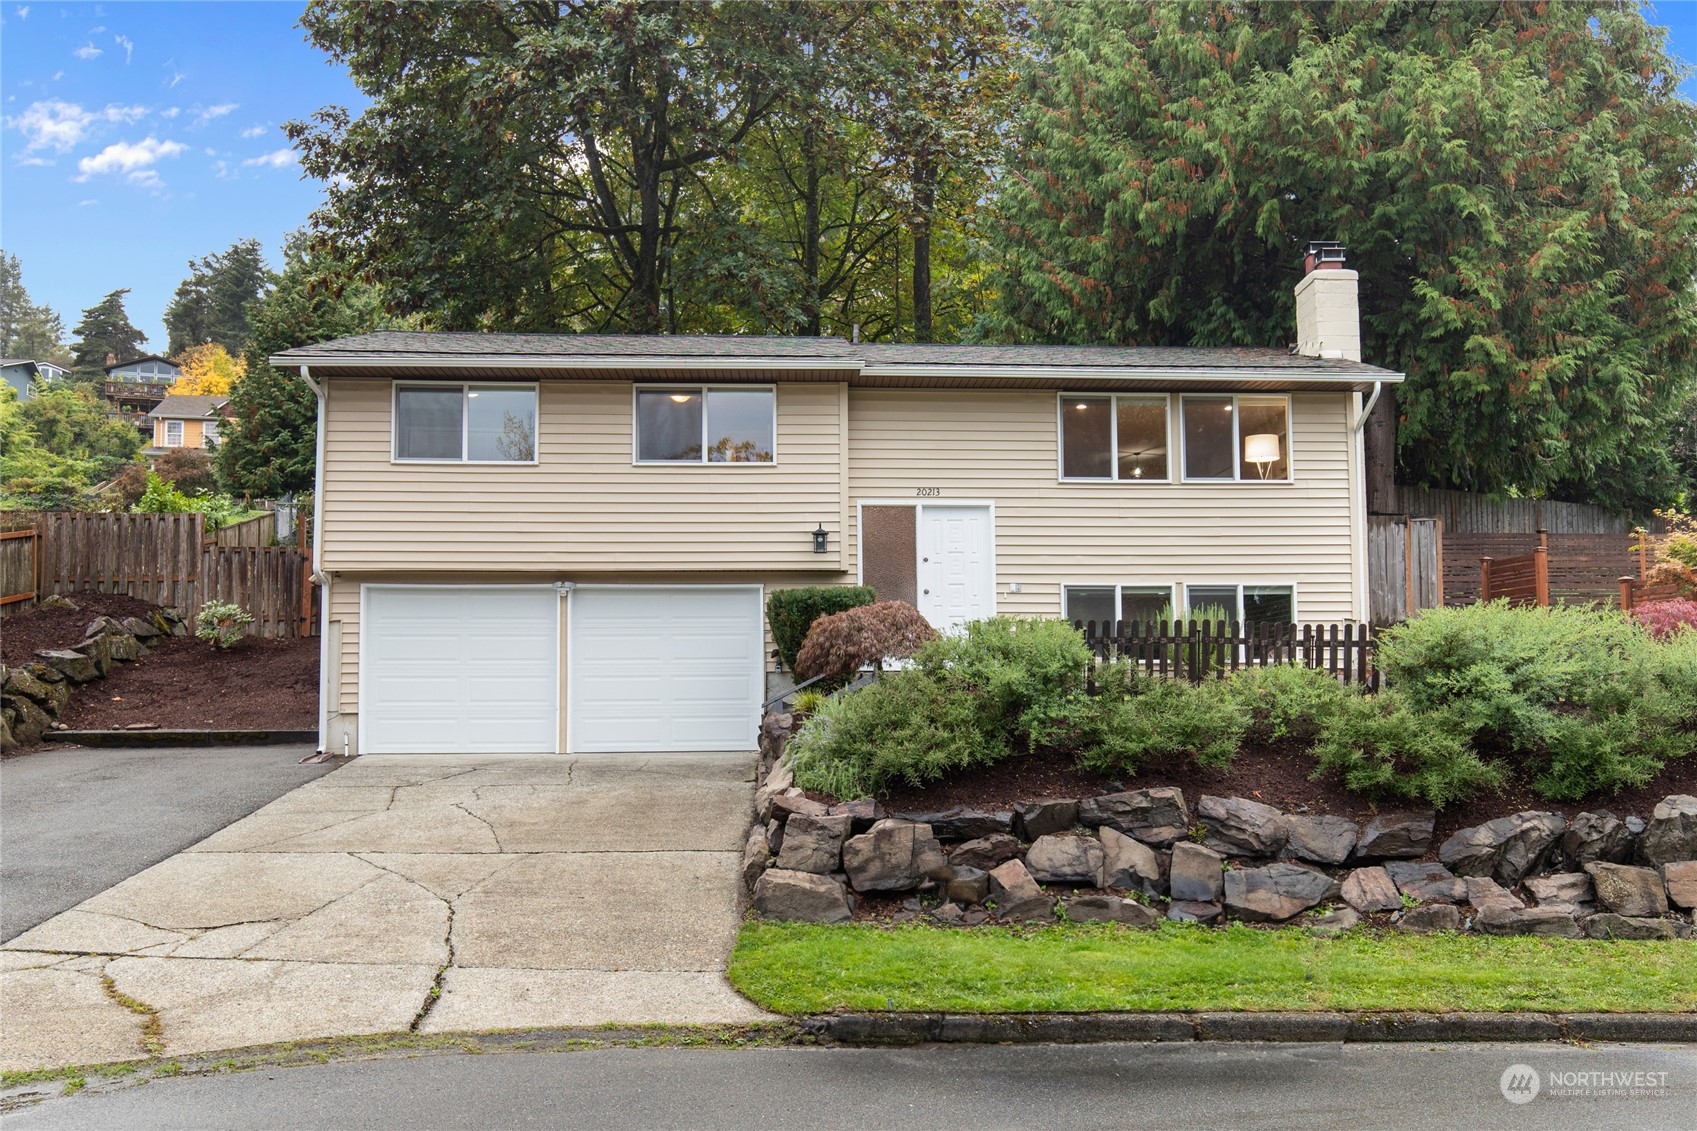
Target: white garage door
x=664 y=668
x=452 y=669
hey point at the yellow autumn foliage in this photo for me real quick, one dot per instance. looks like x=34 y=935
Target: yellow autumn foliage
x=208 y=371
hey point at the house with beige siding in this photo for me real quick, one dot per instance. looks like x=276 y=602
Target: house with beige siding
x=561 y=543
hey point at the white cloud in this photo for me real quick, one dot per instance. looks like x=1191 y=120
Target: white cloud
x=276 y=159
x=23 y=11
x=86 y=203
x=256 y=131
x=210 y=152
x=217 y=111
x=88 y=51
x=52 y=125
x=97 y=28
x=129 y=47
x=133 y=159
x=176 y=75
x=171 y=113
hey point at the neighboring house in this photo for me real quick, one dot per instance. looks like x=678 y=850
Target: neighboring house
x=562 y=543
x=135 y=388
x=186 y=422
x=21 y=373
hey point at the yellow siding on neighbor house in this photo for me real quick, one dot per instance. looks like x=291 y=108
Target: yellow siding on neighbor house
x=194 y=433
x=1003 y=447
x=584 y=505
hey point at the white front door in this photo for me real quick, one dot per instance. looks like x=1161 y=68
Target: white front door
x=956 y=565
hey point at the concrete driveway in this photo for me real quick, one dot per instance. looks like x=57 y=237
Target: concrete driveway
x=428 y=893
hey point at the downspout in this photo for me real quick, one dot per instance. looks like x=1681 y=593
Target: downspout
x=318 y=574
x=1358 y=441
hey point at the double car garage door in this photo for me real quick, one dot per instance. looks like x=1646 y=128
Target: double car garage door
x=478 y=668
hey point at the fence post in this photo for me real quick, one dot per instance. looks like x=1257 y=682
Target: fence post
x=1438 y=553
x=1643 y=554
x=1484 y=579
x=1541 y=574
x=1626 y=594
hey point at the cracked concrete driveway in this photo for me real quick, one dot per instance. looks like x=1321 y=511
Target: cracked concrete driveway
x=406 y=892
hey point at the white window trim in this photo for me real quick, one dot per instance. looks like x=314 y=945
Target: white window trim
x=174 y=443
x=1113 y=439
x=465 y=422
x=1119 y=588
x=209 y=433
x=1237 y=438
x=681 y=387
x=1295 y=606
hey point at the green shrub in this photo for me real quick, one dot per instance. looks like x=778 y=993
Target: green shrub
x=791 y=612
x=1384 y=748
x=1286 y=701
x=221 y=623
x=807 y=701
x=1166 y=718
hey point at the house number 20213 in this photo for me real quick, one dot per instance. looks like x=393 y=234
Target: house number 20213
x=928 y=492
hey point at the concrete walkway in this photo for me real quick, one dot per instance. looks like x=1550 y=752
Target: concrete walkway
x=422 y=892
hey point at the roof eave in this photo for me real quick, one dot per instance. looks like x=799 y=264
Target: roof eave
x=291 y=359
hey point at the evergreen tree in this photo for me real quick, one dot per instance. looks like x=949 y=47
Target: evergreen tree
x=105 y=331
x=26 y=330
x=1513 y=182
x=211 y=305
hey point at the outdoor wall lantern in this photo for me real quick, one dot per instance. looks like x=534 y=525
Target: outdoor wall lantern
x=1262 y=450
x=820 y=538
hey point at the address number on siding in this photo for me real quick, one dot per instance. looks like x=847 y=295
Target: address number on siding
x=928 y=492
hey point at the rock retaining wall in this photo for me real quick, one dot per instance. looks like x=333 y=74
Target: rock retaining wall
x=1140 y=856
x=34 y=695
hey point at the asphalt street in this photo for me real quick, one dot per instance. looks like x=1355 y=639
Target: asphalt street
x=1181 y=1085
x=74 y=822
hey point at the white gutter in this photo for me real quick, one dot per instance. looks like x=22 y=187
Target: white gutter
x=322 y=392
x=547 y=361
x=1360 y=420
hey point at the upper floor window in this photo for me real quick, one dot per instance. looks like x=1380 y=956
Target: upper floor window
x=705 y=424
x=1122 y=437
x=1237 y=438
x=466 y=423
x=173 y=433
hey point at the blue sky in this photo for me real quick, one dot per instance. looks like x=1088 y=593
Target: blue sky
x=136 y=136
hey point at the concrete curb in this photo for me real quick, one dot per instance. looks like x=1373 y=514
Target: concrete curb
x=1088 y=1028
x=117 y=738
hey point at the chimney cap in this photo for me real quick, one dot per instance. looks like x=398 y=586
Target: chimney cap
x=1324 y=253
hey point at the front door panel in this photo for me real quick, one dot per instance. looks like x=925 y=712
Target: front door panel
x=956 y=574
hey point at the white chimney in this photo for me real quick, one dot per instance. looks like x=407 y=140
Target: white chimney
x=1328 y=313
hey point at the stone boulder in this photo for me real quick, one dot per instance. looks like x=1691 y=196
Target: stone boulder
x=865 y=812
x=793 y=801
x=1033 y=819
x=50 y=697
x=1334 y=922
x=28 y=721
x=56 y=602
x=1276 y=892
x=1397 y=836
x=1508 y=848
x=1371 y=889
x=1156 y=817
x=1591 y=837
x=959 y=823
x=1110 y=909
x=123 y=646
x=1017 y=895
x=74 y=666
x=1547 y=922
x=1323 y=839
x=756 y=856
x=1626 y=890
x=777 y=783
x=1432 y=917
x=802 y=897
x=1671 y=834
x=968 y=885
x=1680 y=878
x=893 y=855
x=98 y=649
x=814 y=844
x=1429 y=883
x=986 y=852
x=140 y=629
x=1065 y=858
x=1194 y=911
x=1483 y=892
x=1608 y=925
x=1570 y=891
x=1129 y=863
x=1237 y=826
x=1195 y=874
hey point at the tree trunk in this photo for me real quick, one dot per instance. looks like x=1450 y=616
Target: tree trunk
x=924 y=200
x=1380 y=447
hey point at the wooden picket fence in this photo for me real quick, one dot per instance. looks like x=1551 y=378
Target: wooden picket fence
x=1195 y=650
x=167 y=559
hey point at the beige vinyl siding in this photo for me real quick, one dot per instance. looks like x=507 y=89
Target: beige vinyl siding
x=583 y=505
x=1003 y=447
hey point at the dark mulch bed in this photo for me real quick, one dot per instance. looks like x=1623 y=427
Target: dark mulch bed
x=183 y=682
x=1272 y=775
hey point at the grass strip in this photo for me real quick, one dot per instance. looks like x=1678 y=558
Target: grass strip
x=797 y=969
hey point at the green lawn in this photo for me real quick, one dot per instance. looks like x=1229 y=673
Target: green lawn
x=794 y=968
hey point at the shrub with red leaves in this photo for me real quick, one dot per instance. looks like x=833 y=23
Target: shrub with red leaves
x=1664 y=618
x=843 y=643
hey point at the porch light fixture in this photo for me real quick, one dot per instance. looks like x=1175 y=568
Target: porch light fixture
x=1262 y=450
x=820 y=537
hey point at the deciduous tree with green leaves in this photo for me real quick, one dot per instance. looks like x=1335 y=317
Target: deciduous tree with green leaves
x=1514 y=183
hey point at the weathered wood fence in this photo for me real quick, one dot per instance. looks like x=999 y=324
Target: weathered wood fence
x=253 y=532
x=1405 y=566
x=1464 y=512
x=167 y=559
x=18 y=549
x=1195 y=650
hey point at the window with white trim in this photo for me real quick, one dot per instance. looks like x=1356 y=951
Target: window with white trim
x=1106 y=603
x=209 y=433
x=465 y=423
x=706 y=424
x=1114 y=438
x=173 y=433
x=1238 y=439
x=1247 y=604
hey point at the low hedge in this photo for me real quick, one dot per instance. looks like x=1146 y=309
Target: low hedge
x=791 y=612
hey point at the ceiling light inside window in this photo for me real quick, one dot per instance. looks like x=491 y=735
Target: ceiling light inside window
x=681 y=398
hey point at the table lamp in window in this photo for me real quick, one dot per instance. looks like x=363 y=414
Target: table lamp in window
x=1262 y=450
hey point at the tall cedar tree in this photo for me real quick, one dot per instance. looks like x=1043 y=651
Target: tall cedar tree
x=105 y=331
x=270 y=448
x=524 y=166
x=26 y=330
x=1514 y=182
x=210 y=306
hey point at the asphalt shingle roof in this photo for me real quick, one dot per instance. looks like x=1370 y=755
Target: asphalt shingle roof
x=185 y=407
